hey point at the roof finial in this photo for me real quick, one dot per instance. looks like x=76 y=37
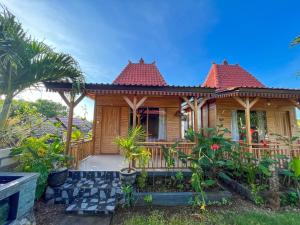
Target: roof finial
x=129 y=62
x=225 y=62
x=141 y=61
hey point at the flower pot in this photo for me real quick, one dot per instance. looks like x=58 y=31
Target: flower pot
x=127 y=178
x=58 y=177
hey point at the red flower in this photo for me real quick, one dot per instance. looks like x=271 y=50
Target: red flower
x=214 y=147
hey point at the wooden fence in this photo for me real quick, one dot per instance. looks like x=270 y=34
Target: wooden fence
x=79 y=150
x=282 y=152
x=157 y=160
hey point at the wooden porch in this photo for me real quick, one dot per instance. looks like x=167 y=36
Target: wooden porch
x=82 y=153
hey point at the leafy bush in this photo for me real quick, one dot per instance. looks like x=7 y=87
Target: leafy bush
x=41 y=155
x=131 y=149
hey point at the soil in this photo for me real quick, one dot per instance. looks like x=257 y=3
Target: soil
x=49 y=214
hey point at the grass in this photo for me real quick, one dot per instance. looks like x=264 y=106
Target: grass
x=249 y=218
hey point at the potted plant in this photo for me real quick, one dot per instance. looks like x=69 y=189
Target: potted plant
x=58 y=162
x=132 y=151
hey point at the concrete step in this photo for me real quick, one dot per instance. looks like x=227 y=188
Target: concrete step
x=92 y=206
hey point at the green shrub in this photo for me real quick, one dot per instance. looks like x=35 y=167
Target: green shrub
x=41 y=155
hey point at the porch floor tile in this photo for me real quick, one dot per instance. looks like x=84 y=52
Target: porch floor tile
x=103 y=163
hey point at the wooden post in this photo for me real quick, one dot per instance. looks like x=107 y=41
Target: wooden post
x=247 y=105
x=196 y=128
x=134 y=106
x=247 y=120
x=71 y=104
x=134 y=113
x=70 y=124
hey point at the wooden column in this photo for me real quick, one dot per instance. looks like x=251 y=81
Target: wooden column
x=196 y=127
x=194 y=106
x=134 y=105
x=72 y=103
x=247 y=105
x=248 y=123
x=70 y=125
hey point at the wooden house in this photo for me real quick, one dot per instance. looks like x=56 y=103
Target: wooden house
x=138 y=96
x=230 y=96
x=246 y=107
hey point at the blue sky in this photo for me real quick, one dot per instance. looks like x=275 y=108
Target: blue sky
x=183 y=37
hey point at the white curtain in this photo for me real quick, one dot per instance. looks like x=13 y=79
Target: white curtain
x=234 y=126
x=162 y=124
x=261 y=125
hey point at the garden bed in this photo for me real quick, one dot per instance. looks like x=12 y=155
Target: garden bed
x=285 y=193
x=169 y=189
x=238 y=187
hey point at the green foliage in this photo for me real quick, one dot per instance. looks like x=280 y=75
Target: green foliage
x=142 y=178
x=148 y=199
x=130 y=147
x=49 y=108
x=184 y=217
x=76 y=135
x=290 y=198
x=179 y=179
x=41 y=155
x=22 y=121
x=255 y=191
x=160 y=218
x=127 y=191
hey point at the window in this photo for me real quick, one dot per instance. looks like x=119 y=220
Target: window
x=258 y=125
x=153 y=121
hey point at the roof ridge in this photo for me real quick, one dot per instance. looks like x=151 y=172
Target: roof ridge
x=230 y=75
x=140 y=73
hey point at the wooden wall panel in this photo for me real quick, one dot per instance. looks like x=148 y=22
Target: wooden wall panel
x=170 y=103
x=173 y=124
x=212 y=115
x=124 y=121
x=205 y=116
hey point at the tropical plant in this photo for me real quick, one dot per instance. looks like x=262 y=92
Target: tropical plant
x=296 y=41
x=41 y=155
x=50 y=108
x=23 y=120
x=128 y=195
x=130 y=147
x=26 y=62
x=76 y=135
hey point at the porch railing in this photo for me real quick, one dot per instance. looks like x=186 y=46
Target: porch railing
x=157 y=160
x=287 y=152
x=79 y=150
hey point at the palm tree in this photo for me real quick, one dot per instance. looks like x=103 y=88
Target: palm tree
x=25 y=62
x=295 y=41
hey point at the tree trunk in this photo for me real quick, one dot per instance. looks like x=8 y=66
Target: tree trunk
x=5 y=110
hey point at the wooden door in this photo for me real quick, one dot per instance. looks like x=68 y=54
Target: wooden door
x=110 y=129
x=283 y=124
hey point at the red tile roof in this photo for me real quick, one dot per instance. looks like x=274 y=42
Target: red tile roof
x=140 y=74
x=223 y=76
